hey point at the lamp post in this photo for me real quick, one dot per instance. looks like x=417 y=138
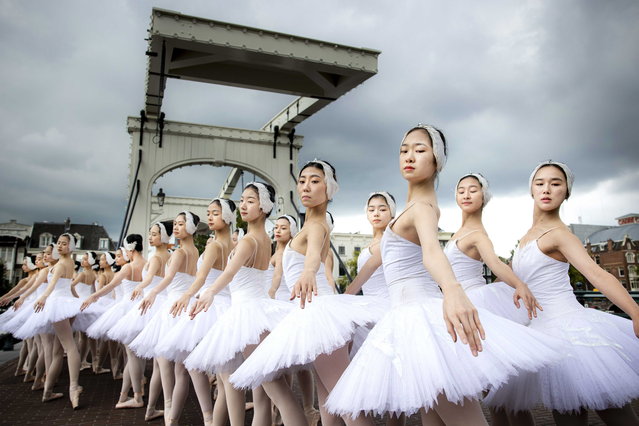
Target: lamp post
x=161 y=195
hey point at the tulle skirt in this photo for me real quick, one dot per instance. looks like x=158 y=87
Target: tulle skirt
x=102 y=325
x=325 y=324
x=599 y=370
x=86 y=318
x=409 y=359
x=56 y=308
x=187 y=333
x=20 y=319
x=498 y=299
x=241 y=325
x=128 y=327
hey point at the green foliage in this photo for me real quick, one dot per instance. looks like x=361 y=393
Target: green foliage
x=577 y=277
x=351 y=265
x=200 y=242
x=239 y=223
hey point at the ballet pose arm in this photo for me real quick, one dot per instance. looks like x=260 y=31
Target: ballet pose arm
x=75 y=282
x=503 y=272
x=177 y=258
x=306 y=285
x=278 y=272
x=243 y=252
x=16 y=291
x=211 y=253
x=571 y=248
x=461 y=317
x=371 y=265
x=328 y=270
x=115 y=281
x=154 y=268
x=37 y=282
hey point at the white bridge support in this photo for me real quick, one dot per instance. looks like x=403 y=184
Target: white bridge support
x=186 y=144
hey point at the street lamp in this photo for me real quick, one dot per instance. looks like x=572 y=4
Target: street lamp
x=161 y=195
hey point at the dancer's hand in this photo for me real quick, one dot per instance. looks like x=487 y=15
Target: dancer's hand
x=203 y=304
x=138 y=292
x=530 y=302
x=88 y=301
x=18 y=303
x=4 y=301
x=271 y=293
x=462 y=319
x=180 y=305
x=147 y=303
x=39 y=304
x=305 y=288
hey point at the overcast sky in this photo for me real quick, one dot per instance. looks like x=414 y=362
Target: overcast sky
x=509 y=83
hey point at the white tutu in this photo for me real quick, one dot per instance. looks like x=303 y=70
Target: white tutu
x=409 y=359
x=86 y=318
x=59 y=306
x=146 y=343
x=325 y=324
x=498 y=299
x=127 y=328
x=242 y=324
x=599 y=370
x=6 y=318
x=122 y=305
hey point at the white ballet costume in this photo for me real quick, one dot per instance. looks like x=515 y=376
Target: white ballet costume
x=251 y=314
x=133 y=322
x=122 y=305
x=409 y=359
x=21 y=316
x=324 y=325
x=375 y=286
x=496 y=297
x=600 y=368
x=146 y=342
x=180 y=341
x=59 y=306
x=87 y=317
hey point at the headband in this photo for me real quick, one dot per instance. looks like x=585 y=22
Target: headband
x=227 y=214
x=125 y=255
x=439 y=149
x=164 y=236
x=329 y=178
x=266 y=205
x=292 y=224
x=55 y=254
x=330 y=222
x=90 y=258
x=191 y=227
x=389 y=200
x=110 y=259
x=29 y=263
x=570 y=177
x=482 y=182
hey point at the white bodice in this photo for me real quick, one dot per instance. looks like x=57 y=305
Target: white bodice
x=84 y=290
x=468 y=271
x=247 y=284
x=293 y=265
x=376 y=284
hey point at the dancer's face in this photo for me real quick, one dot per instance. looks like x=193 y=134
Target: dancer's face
x=378 y=212
x=250 y=205
x=47 y=254
x=311 y=187
x=40 y=260
x=179 y=227
x=25 y=268
x=63 y=245
x=416 y=157
x=85 y=261
x=549 y=188
x=155 y=236
x=282 y=231
x=214 y=217
x=469 y=197
x=119 y=259
x=103 y=262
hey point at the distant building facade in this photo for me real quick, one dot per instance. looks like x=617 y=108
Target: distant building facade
x=616 y=249
x=14 y=238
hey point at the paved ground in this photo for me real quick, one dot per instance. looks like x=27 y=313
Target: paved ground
x=21 y=406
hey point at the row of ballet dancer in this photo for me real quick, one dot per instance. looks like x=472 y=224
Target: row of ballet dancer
x=428 y=334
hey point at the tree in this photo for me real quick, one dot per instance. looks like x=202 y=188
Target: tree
x=351 y=266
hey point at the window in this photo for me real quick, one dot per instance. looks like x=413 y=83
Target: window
x=6 y=256
x=622 y=272
x=634 y=284
x=45 y=239
x=630 y=257
x=104 y=244
x=341 y=250
x=597 y=260
x=357 y=249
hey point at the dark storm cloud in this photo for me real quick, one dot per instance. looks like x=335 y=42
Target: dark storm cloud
x=510 y=84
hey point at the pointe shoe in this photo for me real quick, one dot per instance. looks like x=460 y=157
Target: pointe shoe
x=101 y=370
x=153 y=415
x=130 y=403
x=312 y=416
x=248 y=406
x=84 y=365
x=28 y=378
x=74 y=396
x=50 y=396
x=37 y=385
